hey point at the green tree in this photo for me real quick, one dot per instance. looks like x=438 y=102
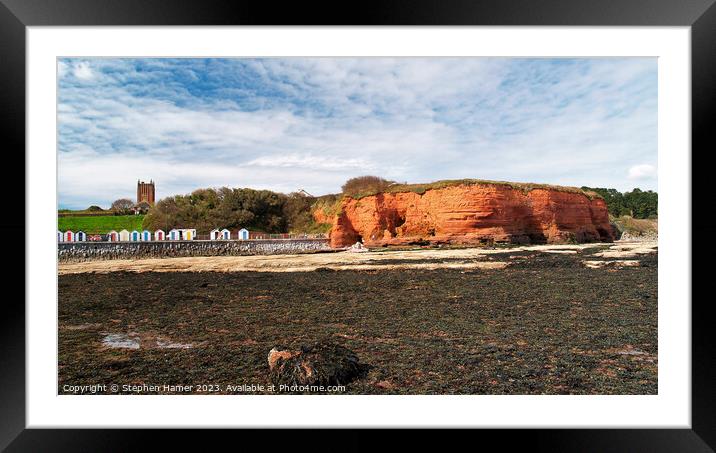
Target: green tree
x=299 y=213
x=642 y=204
x=122 y=206
x=637 y=203
x=206 y=209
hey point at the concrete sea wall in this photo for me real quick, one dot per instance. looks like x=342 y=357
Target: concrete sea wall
x=87 y=251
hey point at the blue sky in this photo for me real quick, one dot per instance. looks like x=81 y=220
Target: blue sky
x=311 y=123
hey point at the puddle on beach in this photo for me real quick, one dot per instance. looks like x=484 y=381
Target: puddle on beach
x=164 y=344
x=119 y=340
x=124 y=341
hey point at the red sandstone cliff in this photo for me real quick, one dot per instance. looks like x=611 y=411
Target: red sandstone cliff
x=470 y=213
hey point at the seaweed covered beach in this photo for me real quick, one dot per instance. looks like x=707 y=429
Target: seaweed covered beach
x=579 y=320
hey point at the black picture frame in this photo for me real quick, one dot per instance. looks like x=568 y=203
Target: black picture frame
x=16 y=15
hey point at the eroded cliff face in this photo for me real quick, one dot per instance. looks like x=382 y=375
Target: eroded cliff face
x=470 y=214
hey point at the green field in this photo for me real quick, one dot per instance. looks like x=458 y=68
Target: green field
x=101 y=224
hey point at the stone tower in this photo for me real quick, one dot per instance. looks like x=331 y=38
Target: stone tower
x=145 y=192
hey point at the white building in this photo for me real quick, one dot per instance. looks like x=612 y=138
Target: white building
x=243 y=234
x=124 y=235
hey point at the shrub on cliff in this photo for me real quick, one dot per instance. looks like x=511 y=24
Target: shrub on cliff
x=329 y=204
x=365 y=184
x=298 y=212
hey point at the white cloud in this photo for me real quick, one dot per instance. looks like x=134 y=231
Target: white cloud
x=82 y=70
x=285 y=124
x=643 y=171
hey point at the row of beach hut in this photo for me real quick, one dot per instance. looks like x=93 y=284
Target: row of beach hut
x=178 y=234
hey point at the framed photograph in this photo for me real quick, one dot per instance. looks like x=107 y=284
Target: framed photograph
x=471 y=217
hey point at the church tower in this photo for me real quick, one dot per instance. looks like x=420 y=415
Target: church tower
x=145 y=192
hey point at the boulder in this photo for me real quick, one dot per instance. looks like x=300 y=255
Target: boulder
x=358 y=247
x=324 y=364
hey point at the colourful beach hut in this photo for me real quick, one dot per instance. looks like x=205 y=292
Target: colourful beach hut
x=225 y=234
x=124 y=235
x=214 y=234
x=80 y=236
x=134 y=236
x=69 y=236
x=60 y=236
x=146 y=236
x=159 y=235
x=182 y=234
x=112 y=236
x=243 y=234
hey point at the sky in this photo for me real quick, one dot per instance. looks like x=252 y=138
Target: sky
x=286 y=124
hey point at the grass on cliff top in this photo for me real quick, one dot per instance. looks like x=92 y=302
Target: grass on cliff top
x=329 y=204
x=525 y=187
